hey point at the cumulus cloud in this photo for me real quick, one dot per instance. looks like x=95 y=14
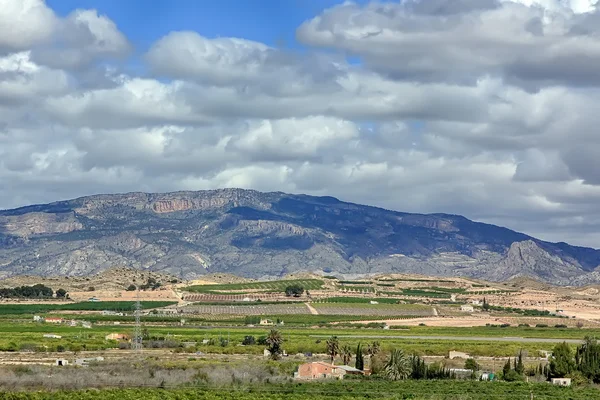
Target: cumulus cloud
x=529 y=41
x=24 y=24
x=485 y=108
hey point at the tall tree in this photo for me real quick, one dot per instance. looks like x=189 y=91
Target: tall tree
x=485 y=306
x=562 y=362
x=398 y=366
x=418 y=368
x=360 y=361
x=373 y=348
x=506 y=368
x=587 y=358
x=333 y=347
x=274 y=343
x=346 y=352
x=519 y=366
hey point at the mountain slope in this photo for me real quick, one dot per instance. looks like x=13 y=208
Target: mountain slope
x=255 y=234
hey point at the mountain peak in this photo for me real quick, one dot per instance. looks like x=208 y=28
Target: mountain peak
x=257 y=234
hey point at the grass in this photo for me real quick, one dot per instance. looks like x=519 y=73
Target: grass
x=19 y=309
x=268 y=286
x=299 y=332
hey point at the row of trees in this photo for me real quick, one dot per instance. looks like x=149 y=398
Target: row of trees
x=584 y=362
x=397 y=366
x=35 y=291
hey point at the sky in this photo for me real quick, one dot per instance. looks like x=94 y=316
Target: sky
x=484 y=108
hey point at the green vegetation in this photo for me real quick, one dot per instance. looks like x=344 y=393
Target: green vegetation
x=18 y=309
x=358 y=300
x=355 y=282
x=346 y=390
x=270 y=286
x=357 y=289
x=515 y=310
x=295 y=290
x=27 y=292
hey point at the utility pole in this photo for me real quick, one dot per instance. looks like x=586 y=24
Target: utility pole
x=136 y=343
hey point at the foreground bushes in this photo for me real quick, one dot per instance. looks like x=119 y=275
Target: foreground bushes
x=431 y=390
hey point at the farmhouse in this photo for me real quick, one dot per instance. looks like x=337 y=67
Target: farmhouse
x=466 y=308
x=54 y=320
x=168 y=311
x=561 y=381
x=322 y=370
x=109 y=312
x=37 y=318
x=61 y=362
x=457 y=354
x=51 y=336
x=265 y=321
x=117 y=336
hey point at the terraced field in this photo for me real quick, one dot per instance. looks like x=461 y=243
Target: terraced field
x=268 y=286
x=373 y=309
x=209 y=298
x=266 y=309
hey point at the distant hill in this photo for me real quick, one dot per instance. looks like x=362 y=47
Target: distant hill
x=258 y=235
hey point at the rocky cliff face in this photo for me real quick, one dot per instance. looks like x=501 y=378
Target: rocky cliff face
x=257 y=234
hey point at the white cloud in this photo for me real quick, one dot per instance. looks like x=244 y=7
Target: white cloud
x=474 y=107
x=25 y=23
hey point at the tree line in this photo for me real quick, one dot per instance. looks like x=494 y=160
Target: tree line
x=35 y=291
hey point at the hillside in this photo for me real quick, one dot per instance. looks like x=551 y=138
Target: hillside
x=257 y=235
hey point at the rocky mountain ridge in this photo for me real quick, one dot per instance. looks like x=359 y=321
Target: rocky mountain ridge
x=258 y=235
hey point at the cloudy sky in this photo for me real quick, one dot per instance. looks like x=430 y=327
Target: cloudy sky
x=486 y=108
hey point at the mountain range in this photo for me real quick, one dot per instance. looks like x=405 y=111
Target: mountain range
x=265 y=235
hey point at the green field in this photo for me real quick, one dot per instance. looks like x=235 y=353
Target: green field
x=358 y=300
x=19 y=309
x=348 y=389
x=15 y=336
x=268 y=286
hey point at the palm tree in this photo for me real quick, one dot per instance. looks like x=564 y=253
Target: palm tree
x=374 y=348
x=398 y=366
x=346 y=354
x=274 y=342
x=333 y=347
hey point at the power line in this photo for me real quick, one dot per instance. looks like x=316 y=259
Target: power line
x=136 y=343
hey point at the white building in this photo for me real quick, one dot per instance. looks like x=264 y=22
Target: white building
x=466 y=308
x=37 y=318
x=561 y=381
x=51 y=336
x=458 y=354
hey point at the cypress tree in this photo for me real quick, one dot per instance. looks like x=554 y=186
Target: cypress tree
x=360 y=361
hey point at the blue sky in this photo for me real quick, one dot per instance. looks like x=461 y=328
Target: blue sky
x=144 y=21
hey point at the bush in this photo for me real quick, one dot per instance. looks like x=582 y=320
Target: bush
x=541 y=325
x=560 y=326
x=131 y=288
x=249 y=340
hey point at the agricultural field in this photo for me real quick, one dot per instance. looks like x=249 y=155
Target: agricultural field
x=18 y=309
x=266 y=286
x=254 y=309
x=418 y=390
x=373 y=309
